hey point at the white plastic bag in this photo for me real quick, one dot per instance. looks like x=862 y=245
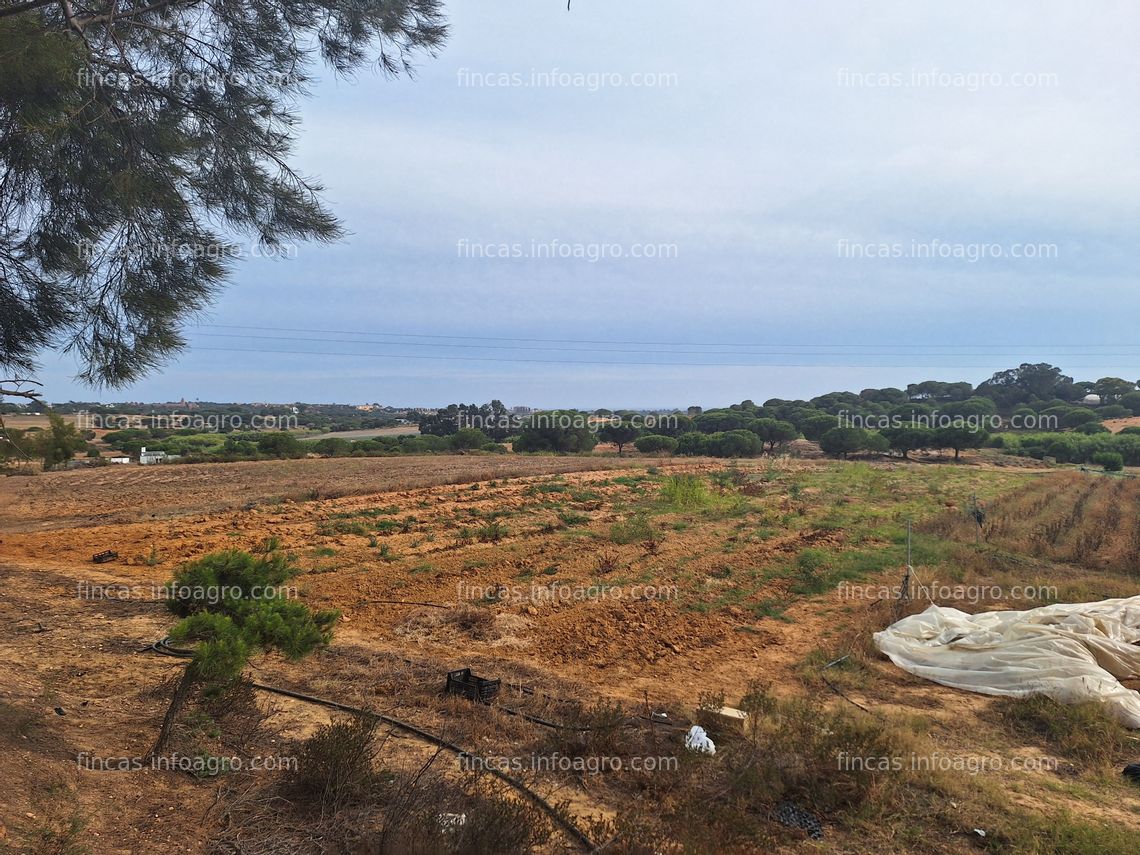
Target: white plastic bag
x=697 y=740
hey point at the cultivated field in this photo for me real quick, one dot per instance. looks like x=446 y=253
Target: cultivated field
x=112 y=495
x=602 y=592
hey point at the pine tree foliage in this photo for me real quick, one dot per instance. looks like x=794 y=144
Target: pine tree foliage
x=141 y=141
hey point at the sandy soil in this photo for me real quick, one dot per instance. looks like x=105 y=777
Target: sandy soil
x=104 y=495
x=1117 y=425
x=68 y=642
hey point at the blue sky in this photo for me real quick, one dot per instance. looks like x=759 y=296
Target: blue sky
x=764 y=165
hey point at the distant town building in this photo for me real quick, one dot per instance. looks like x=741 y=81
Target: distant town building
x=121 y=458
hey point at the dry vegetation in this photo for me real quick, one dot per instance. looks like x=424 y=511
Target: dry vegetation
x=112 y=495
x=746 y=561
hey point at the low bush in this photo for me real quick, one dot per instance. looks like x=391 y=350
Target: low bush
x=685 y=492
x=1112 y=461
x=1086 y=732
x=633 y=530
x=492 y=532
x=655 y=444
x=334 y=766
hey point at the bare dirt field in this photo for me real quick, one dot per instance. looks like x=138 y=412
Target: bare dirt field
x=102 y=495
x=1117 y=425
x=581 y=578
x=369 y=433
x=23 y=422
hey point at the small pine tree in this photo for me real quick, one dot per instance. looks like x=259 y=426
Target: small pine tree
x=232 y=605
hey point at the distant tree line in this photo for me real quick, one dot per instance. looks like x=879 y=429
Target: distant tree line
x=208 y=448
x=227 y=417
x=927 y=416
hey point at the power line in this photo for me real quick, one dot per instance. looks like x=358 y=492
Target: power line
x=375 y=333
x=978 y=354
x=514 y=360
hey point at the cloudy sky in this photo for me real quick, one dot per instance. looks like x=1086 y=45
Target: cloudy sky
x=833 y=195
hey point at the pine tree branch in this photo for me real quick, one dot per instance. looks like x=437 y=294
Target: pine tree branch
x=24 y=7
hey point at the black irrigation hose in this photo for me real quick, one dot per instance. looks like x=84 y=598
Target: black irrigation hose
x=400 y=603
x=164 y=647
x=538 y=801
x=529 y=690
x=839 y=691
x=555 y=725
x=629 y=721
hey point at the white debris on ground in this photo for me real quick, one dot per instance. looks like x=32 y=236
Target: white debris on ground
x=452 y=821
x=697 y=740
x=1069 y=652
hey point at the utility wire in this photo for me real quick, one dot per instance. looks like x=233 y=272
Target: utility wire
x=376 y=333
x=608 y=350
x=613 y=362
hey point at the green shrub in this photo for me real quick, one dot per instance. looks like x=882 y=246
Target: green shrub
x=468 y=439
x=232 y=605
x=685 y=492
x=1078 y=416
x=492 y=532
x=563 y=432
x=1091 y=428
x=655 y=444
x=841 y=441
x=634 y=530
x=334 y=765
x=691 y=444
x=1112 y=461
x=733 y=443
x=550 y=487
x=281 y=444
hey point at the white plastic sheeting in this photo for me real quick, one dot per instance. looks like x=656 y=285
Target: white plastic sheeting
x=1071 y=652
x=697 y=740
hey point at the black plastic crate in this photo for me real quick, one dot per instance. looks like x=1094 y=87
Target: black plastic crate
x=463 y=682
x=104 y=557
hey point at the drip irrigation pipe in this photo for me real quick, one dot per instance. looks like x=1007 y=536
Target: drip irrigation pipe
x=530 y=690
x=400 y=603
x=163 y=646
x=534 y=798
x=839 y=691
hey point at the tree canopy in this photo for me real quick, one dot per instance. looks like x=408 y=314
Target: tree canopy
x=140 y=140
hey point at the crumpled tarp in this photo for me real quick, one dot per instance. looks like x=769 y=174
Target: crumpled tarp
x=697 y=740
x=1070 y=652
